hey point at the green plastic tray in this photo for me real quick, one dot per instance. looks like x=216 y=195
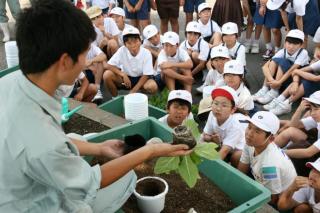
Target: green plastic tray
x=116 y=107
x=246 y=194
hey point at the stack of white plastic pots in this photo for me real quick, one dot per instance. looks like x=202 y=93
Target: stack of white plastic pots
x=135 y=106
x=12 y=56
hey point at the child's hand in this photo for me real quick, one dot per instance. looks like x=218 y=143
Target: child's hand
x=89 y=63
x=166 y=65
x=188 y=79
x=304 y=105
x=216 y=138
x=296 y=72
x=274 y=84
x=294 y=88
x=126 y=81
x=299 y=182
x=262 y=10
x=78 y=97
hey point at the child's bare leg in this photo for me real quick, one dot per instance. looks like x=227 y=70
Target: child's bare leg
x=291 y=134
x=257 y=32
x=111 y=81
x=164 y=25
x=98 y=74
x=189 y=17
x=90 y=93
x=277 y=36
x=186 y=83
x=150 y=86
x=303 y=208
x=298 y=94
x=269 y=70
x=170 y=82
x=134 y=22
x=112 y=48
x=143 y=24
x=174 y=25
x=235 y=158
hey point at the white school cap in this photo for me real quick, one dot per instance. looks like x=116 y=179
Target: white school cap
x=118 y=11
x=180 y=94
x=296 y=34
x=203 y=6
x=265 y=120
x=193 y=26
x=93 y=12
x=130 y=31
x=150 y=31
x=171 y=38
x=229 y=28
x=227 y=92
x=274 y=4
x=233 y=67
x=219 y=51
x=314 y=165
x=314 y=98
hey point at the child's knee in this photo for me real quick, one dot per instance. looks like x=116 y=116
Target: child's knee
x=150 y=86
x=303 y=208
x=108 y=75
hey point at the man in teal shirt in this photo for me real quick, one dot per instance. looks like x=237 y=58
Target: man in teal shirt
x=41 y=169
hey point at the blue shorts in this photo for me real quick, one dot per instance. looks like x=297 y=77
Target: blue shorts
x=310 y=87
x=142 y=14
x=160 y=83
x=285 y=65
x=191 y=6
x=272 y=18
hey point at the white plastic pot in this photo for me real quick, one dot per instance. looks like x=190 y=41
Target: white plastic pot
x=152 y=204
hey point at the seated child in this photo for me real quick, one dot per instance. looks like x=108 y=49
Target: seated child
x=219 y=56
x=119 y=17
x=82 y=90
x=178 y=108
x=303 y=194
x=237 y=51
x=278 y=71
x=174 y=64
x=210 y=30
x=131 y=67
x=269 y=165
x=305 y=82
x=197 y=48
x=222 y=126
x=152 y=41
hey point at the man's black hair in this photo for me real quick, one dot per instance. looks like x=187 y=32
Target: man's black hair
x=294 y=40
x=180 y=102
x=133 y=36
x=49 y=29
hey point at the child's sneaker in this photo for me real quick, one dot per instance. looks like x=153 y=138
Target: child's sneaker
x=282 y=108
x=262 y=92
x=255 y=48
x=268 y=97
x=271 y=105
x=98 y=97
x=200 y=89
x=268 y=54
x=247 y=45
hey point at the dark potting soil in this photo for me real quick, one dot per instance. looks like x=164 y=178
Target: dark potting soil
x=82 y=125
x=150 y=187
x=205 y=197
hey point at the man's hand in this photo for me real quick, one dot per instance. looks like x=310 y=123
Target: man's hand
x=168 y=150
x=112 y=148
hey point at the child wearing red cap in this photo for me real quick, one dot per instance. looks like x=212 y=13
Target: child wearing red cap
x=222 y=126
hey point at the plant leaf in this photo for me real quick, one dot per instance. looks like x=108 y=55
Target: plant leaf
x=207 y=150
x=166 y=164
x=195 y=158
x=188 y=171
x=193 y=126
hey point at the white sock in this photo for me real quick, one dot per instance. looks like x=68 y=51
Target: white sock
x=98 y=86
x=248 y=40
x=269 y=46
x=274 y=90
x=281 y=98
x=255 y=41
x=264 y=88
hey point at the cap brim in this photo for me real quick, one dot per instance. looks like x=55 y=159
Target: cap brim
x=204 y=9
x=167 y=41
x=314 y=101
x=259 y=125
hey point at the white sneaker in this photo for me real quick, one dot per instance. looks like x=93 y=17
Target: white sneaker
x=262 y=92
x=98 y=96
x=282 y=108
x=273 y=104
x=200 y=89
x=255 y=48
x=247 y=45
x=271 y=94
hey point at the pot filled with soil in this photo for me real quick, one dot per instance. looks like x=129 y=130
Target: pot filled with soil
x=150 y=193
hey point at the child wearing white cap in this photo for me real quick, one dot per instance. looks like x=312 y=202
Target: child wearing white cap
x=303 y=194
x=210 y=30
x=237 y=51
x=173 y=64
x=118 y=15
x=130 y=67
x=278 y=71
x=152 y=40
x=219 y=56
x=222 y=126
x=178 y=108
x=197 y=48
x=269 y=165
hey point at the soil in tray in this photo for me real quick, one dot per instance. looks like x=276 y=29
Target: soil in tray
x=82 y=125
x=205 y=197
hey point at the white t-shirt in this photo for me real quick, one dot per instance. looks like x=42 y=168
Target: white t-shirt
x=315 y=66
x=213 y=77
x=302 y=59
x=245 y=98
x=99 y=36
x=310 y=123
x=180 y=56
x=111 y=27
x=65 y=90
x=93 y=51
x=147 y=43
x=203 y=50
x=206 y=28
x=316 y=37
x=101 y=3
x=133 y=66
x=164 y=119
x=306 y=195
x=230 y=132
x=298 y=7
x=241 y=54
x=272 y=167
